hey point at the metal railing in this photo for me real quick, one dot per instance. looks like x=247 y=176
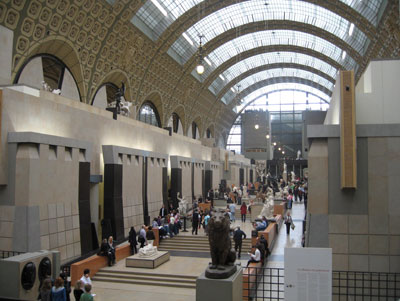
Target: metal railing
x=6 y=254
x=269 y=284
x=366 y=285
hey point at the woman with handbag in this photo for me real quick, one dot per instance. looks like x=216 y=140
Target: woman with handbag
x=288 y=222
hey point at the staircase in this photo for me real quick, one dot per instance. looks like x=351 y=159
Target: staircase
x=143 y=278
x=195 y=244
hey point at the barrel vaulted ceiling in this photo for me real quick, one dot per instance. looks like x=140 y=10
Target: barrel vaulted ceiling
x=251 y=47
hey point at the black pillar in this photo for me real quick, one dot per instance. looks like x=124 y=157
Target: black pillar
x=241 y=176
x=208 y=179
x=176 y=185
x=165 y=186
x=192 y=182
x=146 y=217
x=113 y=210
x=251 y=175
x=84 y=208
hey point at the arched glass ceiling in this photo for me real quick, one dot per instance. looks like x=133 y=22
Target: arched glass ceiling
x=281 y=86
x=270 y=58
x=254 y=11
x=155 y=16
x=277 y=37
x=279 y=72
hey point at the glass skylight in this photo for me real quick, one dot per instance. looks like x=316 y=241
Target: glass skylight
x=277 y=37
x=272 y=58
x=153 y=18
x=256 y=10
x=282 y=86
x=368 y=8
x=287 y=72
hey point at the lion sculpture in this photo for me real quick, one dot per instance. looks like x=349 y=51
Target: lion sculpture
x=222 y=254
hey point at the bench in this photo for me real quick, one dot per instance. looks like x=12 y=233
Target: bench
x=250 y=278
x=280 y=208
x=270 y=233
x=205 y=207
x=95 y=263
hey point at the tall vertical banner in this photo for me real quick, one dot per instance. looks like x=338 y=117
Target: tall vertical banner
x=226 y=165
x=308 y=274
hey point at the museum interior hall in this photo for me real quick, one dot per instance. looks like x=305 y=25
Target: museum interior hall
x=199 y=150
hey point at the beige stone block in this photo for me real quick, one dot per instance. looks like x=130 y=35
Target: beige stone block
x=394 y=245
x=358 y=263
x=60 y=210
x=379 y=224
x=340 y=262
x=69 y=237
x=53 y=241
x=77 y=248
x=45 y=242
x=70 y=251
x=67 y=209
x=60 y=224
x=7 y=213
x=339 y=243
x=63 y=252
x=75 y=221
x=44 y=227
x=52 y=209
x=61 y=239
x=68 y=223
x=75 y=208
x=379 y=244
x=358 y=224
x=76 y=235
x=394 y=264
x=6 y=229
x=53 y=228
x=44 y=212
x=394 y=224
x=338 y=224
x=6 y=243
x=358 y=244
x=378 y=263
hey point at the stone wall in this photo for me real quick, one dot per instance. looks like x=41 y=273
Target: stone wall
x=362 y=226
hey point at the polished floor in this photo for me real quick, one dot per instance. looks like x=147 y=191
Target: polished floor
x=194 y=266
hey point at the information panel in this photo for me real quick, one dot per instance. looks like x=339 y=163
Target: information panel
x=308 y=274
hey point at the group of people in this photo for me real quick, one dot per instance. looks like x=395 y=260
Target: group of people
x=107 y=248
x=59 y=289
x=200 y=218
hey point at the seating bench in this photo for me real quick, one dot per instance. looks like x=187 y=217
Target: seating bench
x=270 y=233
x=95 y=263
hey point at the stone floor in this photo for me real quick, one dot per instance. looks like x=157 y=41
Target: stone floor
x=194 y=266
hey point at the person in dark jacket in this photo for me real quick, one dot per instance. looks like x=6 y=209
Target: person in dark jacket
x=103 y=248
x=150 y=237
x=45 y=290
x=238 y=237
x=111 y=251
x=195 y=221
x=67 y=285
x=132 y=240
x=78 y=290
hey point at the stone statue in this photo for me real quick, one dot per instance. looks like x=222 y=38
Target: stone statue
x=222 y=254
x=268 y=209
x=148 y=251
x=298 y=155
x=284 y=167
x=293 y=175
x=245 y=195
x=183 y=205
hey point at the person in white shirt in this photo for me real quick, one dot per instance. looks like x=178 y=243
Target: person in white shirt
x=256 y=257
x=85 y=278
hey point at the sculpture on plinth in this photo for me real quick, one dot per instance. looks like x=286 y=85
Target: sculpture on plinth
x=268 y=209
x=148 y=251
x=222 y=254
x=182 y=205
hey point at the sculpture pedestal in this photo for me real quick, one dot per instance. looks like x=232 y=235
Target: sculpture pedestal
x=229 y=289
x=151 y=262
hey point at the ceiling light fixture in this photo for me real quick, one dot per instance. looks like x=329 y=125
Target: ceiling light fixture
x=283 y=152
x=267 y=136
x=279 y=148
x=200 y=64
x=274 y=143
x=256 y=126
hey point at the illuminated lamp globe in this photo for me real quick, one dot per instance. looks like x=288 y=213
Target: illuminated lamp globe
x=256 y=126
x=267 y=136
x=279 y=148
x=200 y=69
x=283 y=152
x=274 y=143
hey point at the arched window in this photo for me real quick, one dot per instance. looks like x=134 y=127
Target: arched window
x=148 y=114
x=104 y=95
x=208 y=133
x=48 y=69
x=195 y=131
x=175 y=123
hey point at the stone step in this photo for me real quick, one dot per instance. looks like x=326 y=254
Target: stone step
x=154 y=277
x=148 y=274
x=146 y=282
